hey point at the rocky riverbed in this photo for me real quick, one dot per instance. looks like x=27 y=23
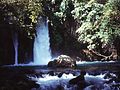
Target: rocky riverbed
x=58 y=79
x=71 y=81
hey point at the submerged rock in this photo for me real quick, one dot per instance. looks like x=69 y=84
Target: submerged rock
x=62 y=61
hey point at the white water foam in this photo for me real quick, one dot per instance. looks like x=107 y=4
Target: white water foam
x=97 y=82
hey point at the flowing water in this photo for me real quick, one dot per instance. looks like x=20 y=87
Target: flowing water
x=93 y=82
x=41 y=50
x=15 y=43
x=42 y=53
x=58 y=79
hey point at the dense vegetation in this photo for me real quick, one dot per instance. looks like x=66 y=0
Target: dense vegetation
x=93 y=25
x=21 y=13
x=97 y=25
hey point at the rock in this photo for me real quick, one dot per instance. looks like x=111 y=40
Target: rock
x=50 y=63
x=62 y=61
x=33 y=84
x=78 y=78
x=60 y=74
x=51 y=73
x=59 y=87
x=79 y=81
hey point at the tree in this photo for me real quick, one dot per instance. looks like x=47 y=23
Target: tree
x=99 y=24
x=21 y=13
x=94 y=23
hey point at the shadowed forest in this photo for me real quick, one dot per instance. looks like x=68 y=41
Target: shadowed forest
x=83 y=29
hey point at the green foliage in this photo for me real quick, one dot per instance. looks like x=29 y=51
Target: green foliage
x=88 y=16
x=22 y=13
x=65 y=8
x=96 y=23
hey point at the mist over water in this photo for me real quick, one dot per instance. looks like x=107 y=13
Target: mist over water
x=42 y=52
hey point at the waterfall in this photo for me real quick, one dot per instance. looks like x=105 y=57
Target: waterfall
x=15 y=43
x=42 y=53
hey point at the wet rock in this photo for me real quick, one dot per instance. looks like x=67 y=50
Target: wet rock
x=110 y=75
x=62 y=61
x=38 y=74
x=51 y=73
x=78 y=78
x=118 y=76
x=60 y=74
x=79 y=81
x=51 y=63
x=116 y=86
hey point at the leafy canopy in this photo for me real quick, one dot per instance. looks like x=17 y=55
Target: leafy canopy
x=22 y=13
x=99 y=24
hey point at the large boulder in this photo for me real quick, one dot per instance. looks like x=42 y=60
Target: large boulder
x=62 y=61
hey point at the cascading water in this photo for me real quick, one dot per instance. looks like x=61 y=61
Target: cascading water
x=42 y=53
x=15 y=43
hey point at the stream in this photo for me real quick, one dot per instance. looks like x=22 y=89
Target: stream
x=98 y=77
